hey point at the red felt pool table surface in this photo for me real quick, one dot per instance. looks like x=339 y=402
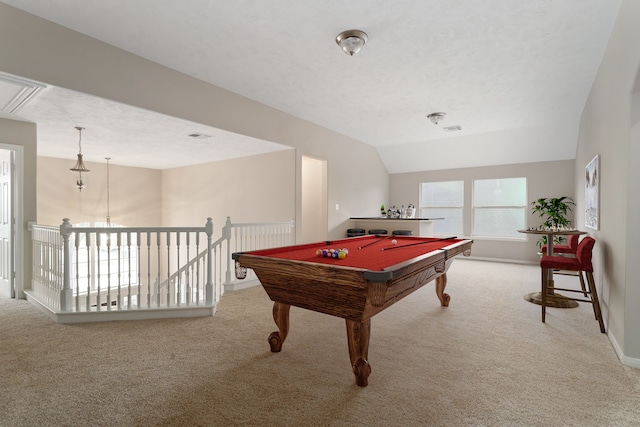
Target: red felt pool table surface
x=366 y=252
x=375 y=274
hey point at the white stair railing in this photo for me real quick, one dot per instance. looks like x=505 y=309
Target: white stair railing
x=237 y=238
x=254 y=236
x=82 y=269
x=118 y=269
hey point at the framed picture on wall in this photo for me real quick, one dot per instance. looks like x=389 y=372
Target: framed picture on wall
x=591 y=193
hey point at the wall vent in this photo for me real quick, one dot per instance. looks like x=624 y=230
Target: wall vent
x=453 y=128
x=15 y=92
x=199 y=136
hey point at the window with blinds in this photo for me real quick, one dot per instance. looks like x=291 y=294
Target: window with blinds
x=443 y=199
x=499 y=207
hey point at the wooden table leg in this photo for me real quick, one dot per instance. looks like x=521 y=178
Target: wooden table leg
x=358 y=332
x=441 y=283
x=281 y=317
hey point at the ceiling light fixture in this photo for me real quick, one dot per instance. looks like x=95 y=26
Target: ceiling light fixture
x=436 y=117
x=351 y=41
x=80 y=167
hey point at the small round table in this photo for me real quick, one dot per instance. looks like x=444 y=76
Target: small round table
x=553 y=299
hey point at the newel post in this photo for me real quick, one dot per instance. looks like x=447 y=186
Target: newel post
x=66 y=294
x=208 y=228
x=227 y=236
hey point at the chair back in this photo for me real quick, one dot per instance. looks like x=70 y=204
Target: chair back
x=573 y=241
x=584 y=253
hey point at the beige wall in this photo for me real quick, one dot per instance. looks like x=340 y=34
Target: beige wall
x=607 y=128
x=23 y=134
x=544 y=179
x=134 y=194
x=250 y=189
x=51 y=54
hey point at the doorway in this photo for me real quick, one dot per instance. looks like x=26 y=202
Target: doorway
x=314 y=200
x=7 y=223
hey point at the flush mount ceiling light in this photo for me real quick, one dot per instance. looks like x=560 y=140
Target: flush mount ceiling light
x=351 y=41
x=80 y=167
x=436 y=117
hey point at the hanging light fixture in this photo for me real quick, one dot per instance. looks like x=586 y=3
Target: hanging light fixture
x=108 y=216
x=80 y=167
x=351 y=41
x=436 y=117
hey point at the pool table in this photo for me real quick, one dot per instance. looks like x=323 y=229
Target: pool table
x=377 y=272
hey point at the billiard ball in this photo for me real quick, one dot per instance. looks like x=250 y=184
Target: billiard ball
x=394 y=242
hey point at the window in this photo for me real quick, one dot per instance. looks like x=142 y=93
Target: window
x=499 y=207
x=443 y=200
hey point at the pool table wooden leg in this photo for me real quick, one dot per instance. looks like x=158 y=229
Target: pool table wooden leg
x=358 y=332
x=441 y=283
x=281 y=317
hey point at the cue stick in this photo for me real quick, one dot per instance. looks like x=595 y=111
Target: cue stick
x=419 y=243
x=373 y=243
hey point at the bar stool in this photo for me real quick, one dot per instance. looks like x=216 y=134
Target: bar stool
x=354 y=232
x=570 y=248
x=402 y=233
x=378 y=231
x=581 y=263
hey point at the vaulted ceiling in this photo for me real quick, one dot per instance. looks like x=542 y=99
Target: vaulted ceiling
x=513 y=75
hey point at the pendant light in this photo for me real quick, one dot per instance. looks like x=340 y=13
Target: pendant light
x=80 y=167
x=108 y=213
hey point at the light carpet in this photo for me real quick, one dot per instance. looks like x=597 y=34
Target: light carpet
x=486 y=360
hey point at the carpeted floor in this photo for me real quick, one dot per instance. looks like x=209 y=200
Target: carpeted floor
x=486 y=360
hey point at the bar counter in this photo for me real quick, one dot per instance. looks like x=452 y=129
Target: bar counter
x=418 y=226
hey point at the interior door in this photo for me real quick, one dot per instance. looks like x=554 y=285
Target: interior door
x=6 y=224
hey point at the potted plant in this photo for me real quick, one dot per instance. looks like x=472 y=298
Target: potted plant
x=553 y=212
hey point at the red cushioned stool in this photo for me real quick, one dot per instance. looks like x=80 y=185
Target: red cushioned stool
x=581 y=263
x=569 y=248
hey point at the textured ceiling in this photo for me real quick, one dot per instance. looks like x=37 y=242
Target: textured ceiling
x=493 y=66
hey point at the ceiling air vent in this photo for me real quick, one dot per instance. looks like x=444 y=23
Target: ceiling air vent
x=199 y=136
x=15 y=92
x=453 y=128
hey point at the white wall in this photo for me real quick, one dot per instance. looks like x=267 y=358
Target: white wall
x=607 y=128
x=632 y=275
x=544 y=179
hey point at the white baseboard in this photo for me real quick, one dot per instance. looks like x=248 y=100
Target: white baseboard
x=627 y=361
x=239 y=285
x=129 y=314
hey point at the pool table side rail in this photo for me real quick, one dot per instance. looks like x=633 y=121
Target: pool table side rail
x=446 y=252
